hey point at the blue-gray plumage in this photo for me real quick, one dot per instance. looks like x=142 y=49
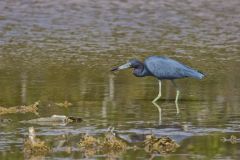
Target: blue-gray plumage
x=162 y=68
x=166 y=68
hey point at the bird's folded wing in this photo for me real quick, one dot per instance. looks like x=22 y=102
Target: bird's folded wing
x=166 y=68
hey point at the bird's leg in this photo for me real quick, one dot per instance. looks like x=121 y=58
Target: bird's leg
x=177 y=95
x=159 y=93
x=159 y=111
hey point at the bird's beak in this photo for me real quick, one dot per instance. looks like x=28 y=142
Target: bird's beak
x=125 y=66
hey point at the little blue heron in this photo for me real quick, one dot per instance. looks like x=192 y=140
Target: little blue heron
x=162 y=68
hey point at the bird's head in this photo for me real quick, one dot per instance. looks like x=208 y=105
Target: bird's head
x=133 y=63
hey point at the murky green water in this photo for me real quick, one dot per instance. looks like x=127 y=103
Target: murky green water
x=54 y=51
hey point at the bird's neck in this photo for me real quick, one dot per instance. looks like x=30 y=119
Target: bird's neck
x=140 y=71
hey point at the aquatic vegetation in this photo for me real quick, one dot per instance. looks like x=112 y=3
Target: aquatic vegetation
x=65 y=104
x=159 y=145
x=34 y=145
x=233 y=139
x=20 y=109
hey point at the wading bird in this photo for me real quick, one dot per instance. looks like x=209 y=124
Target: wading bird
x=162 y=68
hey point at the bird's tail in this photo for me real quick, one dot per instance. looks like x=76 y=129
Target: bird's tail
x=189 y=72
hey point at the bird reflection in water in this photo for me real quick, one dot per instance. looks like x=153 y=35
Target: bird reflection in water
x=160 y=111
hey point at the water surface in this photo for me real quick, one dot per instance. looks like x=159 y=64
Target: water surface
x=54 y=51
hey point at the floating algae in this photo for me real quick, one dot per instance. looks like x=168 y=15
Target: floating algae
x=54 y=120
x=159 y=145
x=65 y=104
x=233 y=139
x=33 y=145
x=20 y=109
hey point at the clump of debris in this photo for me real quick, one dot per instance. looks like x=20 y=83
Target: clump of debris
x=89 y=142
x=108 y=144
x=20 y=109
x=54 y=120
x=111 y=142
x=33 y=145
x=160 y=145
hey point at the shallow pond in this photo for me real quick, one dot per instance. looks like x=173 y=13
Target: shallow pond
x=56 y=51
